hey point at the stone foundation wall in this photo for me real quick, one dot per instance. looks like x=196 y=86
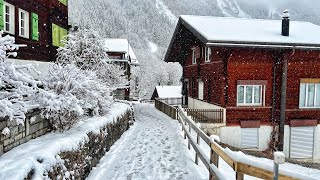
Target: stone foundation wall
x=78 y=164
x=34 y=126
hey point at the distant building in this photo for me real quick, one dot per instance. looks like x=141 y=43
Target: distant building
x=170 y=94
x=39 y=24
x=261 y=73
x=120 y=52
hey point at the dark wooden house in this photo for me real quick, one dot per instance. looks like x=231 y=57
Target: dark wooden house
x=120 y=52
x=265 y=74
x=39 y=24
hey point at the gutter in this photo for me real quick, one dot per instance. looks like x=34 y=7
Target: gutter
x=263 y=46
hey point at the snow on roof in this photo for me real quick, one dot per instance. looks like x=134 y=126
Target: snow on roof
x=119 y=45
x=262 y=31
x=169 y=91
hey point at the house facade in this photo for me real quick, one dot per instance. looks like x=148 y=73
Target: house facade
x=120 y=52
x=39 y=24
x=265 y=76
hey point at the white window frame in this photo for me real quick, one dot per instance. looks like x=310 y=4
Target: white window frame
x=208 y=53
x=11 y=18
x=262 y=95
x=316 y=96
x=26 y=23
x=193 y=53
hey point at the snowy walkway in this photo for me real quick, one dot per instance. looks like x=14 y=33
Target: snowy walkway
x=152 y=148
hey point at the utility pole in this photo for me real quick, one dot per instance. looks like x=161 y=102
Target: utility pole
x=283 y=102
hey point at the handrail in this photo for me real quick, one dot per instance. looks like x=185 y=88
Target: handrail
x=217 y=151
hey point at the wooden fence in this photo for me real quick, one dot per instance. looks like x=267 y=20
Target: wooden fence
x=205 y=115
x=166 y=108
x=216 y=151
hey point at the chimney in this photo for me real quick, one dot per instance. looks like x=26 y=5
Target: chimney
x=285 y=23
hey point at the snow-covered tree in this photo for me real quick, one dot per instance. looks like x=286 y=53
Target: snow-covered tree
x=85 y=48
x=16 y=86
x=72 y=93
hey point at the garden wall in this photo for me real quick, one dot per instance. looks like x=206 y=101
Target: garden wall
x=78 y=164
x=34 y=126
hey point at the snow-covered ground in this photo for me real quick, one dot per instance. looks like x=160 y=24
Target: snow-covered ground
x=42 y=153
x=152 y=148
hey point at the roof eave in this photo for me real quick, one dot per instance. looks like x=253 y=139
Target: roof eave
x=264 y=45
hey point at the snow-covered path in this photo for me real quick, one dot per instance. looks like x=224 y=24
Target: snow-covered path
x=152 y=148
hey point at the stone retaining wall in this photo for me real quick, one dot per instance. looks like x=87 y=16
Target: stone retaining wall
x=78 y=164
x=34 y=126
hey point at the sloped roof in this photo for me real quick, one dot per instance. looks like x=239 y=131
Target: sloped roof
x=256 y=31
x=119 y=45
x=169 y=91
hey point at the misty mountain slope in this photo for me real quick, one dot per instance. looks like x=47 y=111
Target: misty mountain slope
x=146 y=22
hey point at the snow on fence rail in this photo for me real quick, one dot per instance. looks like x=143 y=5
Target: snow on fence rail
x=212 y=163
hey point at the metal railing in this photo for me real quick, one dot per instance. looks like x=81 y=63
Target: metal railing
x=206 y=115
x=216 y=151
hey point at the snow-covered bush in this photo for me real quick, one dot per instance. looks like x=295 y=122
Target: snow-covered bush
x=85 y=48
x=73 y=92
x=16 y=86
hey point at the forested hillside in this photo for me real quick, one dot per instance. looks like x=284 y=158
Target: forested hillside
x=149 y=24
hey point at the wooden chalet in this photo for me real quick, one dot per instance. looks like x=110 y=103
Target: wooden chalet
x=39 y=24
x=265 y=75
x=120 y=52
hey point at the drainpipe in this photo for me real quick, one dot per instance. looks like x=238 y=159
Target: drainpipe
x=283 y=102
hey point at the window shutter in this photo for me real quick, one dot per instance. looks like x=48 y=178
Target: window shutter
x=63 y=34
x=1 y=15
x=55 y=35
x=35 y=26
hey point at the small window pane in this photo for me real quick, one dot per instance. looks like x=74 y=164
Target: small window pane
x=240 y=94
x=249 y=94
x=311 y=92
x=257 y=94
x=302 y=101
x=318 y=95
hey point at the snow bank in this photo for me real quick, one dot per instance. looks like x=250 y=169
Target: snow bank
x=41 y=154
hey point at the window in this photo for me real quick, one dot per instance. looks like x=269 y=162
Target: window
x=23 y=23
x=207 y=54
x=8 y=12
x=309 y=95
x=194 y=60
x=250 y=95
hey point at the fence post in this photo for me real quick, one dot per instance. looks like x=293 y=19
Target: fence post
x=239 y=176
x=197 y=158
x=214 y=159
x=188 y=138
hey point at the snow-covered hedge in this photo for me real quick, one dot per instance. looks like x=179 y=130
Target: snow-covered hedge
x=69 y=93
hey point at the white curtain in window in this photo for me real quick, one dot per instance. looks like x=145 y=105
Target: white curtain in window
x=248 y=94
x=311 y=94
x=317 y=103
x=302 y=101
x=241 y=94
